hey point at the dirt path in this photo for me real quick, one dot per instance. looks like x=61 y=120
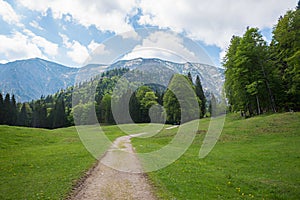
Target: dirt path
x=106 y=183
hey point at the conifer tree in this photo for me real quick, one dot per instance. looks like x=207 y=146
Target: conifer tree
x=23 y=118
x=1 y=109
x=7 y=117
x=13 y=111
x=59 y=113
x=189 y=75
x=201 y=96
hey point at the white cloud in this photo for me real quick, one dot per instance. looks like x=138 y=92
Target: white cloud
x=66 y=41
x=18 y=46
x=8 y=14
x=24 y=45
x=76 y=51
x=164 y=45
x=36 y=25
x=106 y=15
x=48 y=47
x=97 y=48
x=213 y=21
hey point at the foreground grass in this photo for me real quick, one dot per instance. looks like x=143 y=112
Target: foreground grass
x=42 y=164
x=257 y=158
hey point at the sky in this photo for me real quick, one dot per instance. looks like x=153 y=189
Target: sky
x=74 y=32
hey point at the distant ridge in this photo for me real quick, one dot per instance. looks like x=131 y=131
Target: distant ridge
x=30 y=79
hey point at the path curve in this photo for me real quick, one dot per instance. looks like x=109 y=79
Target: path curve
x=106 y=183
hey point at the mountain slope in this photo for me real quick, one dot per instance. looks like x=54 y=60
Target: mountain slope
x=212 y=78
x=29 y=79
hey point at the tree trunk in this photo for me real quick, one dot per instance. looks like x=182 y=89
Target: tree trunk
x=258 y=105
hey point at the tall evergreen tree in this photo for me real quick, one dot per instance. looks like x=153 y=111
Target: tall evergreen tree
x=1 y=109
x=13 y=111
x=213 y=106
x=200 y=94
x=189 y=75
x=59 y=113
x=39 y=114
x=7 y=117
x=23 y=117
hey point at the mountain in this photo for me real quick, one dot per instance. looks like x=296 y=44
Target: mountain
x=212 y=78
x=29 y=79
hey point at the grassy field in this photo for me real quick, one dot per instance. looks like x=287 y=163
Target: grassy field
x=42 y=164
x=256 y=158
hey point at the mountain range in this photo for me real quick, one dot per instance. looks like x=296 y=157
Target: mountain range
x=30 y=79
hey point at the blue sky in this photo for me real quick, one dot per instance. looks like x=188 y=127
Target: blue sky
x=70 y=31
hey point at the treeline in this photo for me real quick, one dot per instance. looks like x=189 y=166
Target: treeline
x=56 y=111
x=52 y=111
x=261 y=78
x=140 y=101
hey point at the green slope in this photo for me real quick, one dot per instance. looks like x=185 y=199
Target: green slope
x=256 y=158
x=42 y=164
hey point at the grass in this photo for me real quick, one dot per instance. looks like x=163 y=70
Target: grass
x=256 y=158
x=42 y=164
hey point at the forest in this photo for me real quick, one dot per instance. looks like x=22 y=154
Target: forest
x=262 y=77
x=58 y=110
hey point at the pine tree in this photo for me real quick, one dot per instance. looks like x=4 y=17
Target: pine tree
x=7 y=117
x=1 y=109
x=39 y=114
x=23 y=118
x=201 y=96
x=59 y=113
x=189 y=75
x=13 y=111
x=213 y=106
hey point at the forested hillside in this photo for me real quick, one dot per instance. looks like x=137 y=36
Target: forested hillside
x=60 y=109
x=263 y=77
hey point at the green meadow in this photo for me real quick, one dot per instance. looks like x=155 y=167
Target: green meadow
x=256 y=158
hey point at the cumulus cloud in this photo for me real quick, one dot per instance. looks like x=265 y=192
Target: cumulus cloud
x=48 y=47
x=164 y=45
x=26 y=45
x=213 y=21
x=8 y=14
x=107 y=15
x=20 y=47
x=76 y=51
x=97 y=48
